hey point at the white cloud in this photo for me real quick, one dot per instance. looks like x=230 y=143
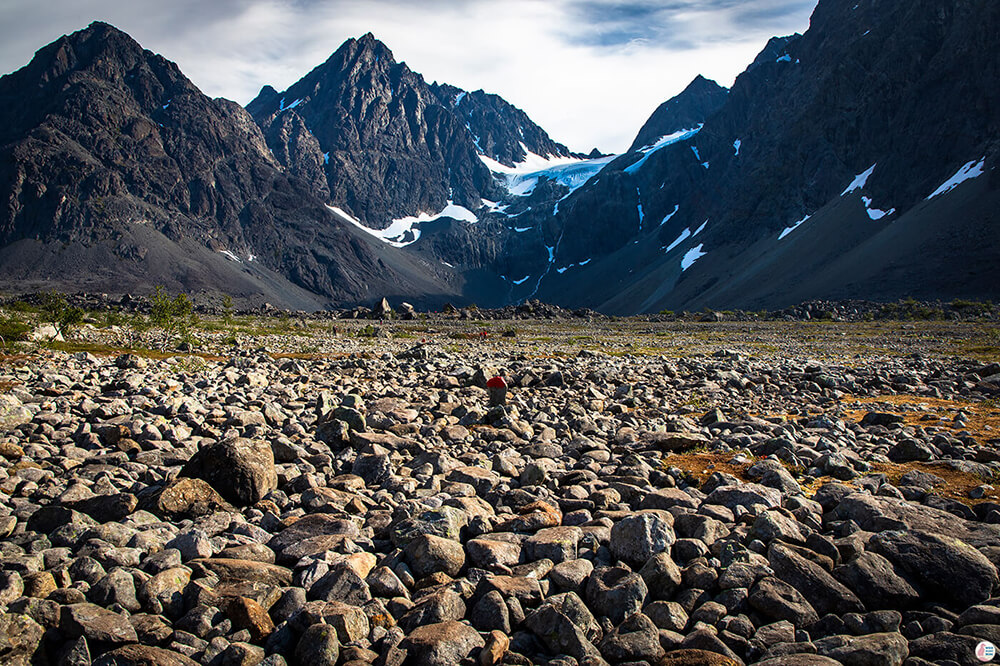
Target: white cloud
x=587 y=81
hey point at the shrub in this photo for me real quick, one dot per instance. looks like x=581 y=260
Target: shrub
x=63 y=316
x=227 y=309
x=173 y=315
x=12 y=330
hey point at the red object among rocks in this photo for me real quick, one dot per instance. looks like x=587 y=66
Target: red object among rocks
x=496 y=382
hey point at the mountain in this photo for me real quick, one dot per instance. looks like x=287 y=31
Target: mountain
x=386 y=145
x=118 y=173
x=696 y=103
x=856 y=160
x=813 y=178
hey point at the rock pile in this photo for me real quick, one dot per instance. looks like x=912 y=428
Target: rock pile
x=376 y=511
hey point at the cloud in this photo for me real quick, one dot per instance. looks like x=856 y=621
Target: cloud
x=589 y=71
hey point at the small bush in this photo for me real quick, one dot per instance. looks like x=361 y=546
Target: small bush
x=13 y=330
x=63 y=316
x=227 y=309
x=113 y=318
x=173 y=315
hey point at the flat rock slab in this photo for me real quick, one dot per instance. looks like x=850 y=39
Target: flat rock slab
x=243 y=570
x=143 y=655
x=313 y=525
x=876 y=514
x=945 y=565
x=96 y=624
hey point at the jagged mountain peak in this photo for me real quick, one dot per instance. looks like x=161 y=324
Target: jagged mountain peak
x=389 y=149
x=100 y=49
x=685 y=110
x=500 y=130
x=363 y=52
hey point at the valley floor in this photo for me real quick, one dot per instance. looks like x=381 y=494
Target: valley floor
x=291 y=491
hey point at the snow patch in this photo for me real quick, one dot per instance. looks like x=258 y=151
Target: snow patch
x=971 y=170
x=475 y=139
x=447 y=264
x=459 y=97
x=875 y=213
x=406 y=230
x=662 y=142
x=569 y=266
x=251 y=257
x=570 y=172
x=860 y=180
x=677 y=207
x=692 y=255
x=784 y=58
x=521 y=230
x=700 y=229
x=326 y=158
x=736 y=146
x=522 y=280
x=292 y=105
x=684 y=235
x=495 y=207
x=229 y=255
x=642 y=216
x=792 y=228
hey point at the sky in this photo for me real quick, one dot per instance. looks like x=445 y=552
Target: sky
x=590 y=72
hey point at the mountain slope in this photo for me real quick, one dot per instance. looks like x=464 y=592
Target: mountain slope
x=879 y=95
x=118 y=173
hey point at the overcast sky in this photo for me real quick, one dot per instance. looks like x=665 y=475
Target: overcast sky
x=588 y=71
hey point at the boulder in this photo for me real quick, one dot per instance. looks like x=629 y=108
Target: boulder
x=945 y=566
x=241 y=470
x=442 y=644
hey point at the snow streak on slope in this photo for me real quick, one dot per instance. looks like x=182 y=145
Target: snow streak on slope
x=638 y=196
x=569 y=171
x=677 y=207
x=875 y=213
x=684 y=235
x=792 y=228
x=859 y=181
x=692 y=255
x=662 y=142
x=406 y=230
x=971 y=170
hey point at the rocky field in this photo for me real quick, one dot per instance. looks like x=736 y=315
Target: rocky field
x=319 y=493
